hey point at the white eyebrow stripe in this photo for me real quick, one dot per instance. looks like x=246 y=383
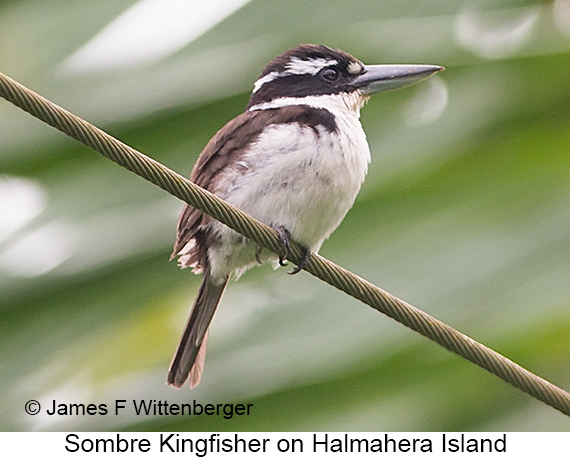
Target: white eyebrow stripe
x=296 y=66
x=267 y=78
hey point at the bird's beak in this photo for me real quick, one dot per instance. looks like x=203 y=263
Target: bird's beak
x=380 y=78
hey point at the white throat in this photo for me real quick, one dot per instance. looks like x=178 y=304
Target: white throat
x=342 y=103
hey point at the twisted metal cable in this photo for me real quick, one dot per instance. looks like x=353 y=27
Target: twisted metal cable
x=268 y=238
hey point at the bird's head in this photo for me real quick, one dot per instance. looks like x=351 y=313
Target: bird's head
x=312 y=71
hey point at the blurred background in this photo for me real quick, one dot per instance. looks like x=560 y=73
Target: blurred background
x=465 y=214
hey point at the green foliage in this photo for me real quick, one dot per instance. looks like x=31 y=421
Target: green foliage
x=465 y=214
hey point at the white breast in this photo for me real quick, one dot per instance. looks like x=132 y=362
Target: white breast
x=296 y=177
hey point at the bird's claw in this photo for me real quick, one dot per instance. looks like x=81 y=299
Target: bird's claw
x=303 y=263
x=284 y=237
x=285 y=245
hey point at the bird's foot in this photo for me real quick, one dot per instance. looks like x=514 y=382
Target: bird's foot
x=304 y=260
x=285 y=245
x=284 y=236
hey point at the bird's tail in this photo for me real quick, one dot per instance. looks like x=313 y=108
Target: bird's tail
x=191 y=353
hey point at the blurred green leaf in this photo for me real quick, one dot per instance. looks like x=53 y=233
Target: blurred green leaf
x=465 y=214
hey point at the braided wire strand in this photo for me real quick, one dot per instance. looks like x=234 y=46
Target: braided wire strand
x=265 y=236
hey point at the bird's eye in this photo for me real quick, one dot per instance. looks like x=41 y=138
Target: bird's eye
x=330 y=74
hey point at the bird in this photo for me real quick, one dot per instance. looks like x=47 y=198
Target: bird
x=295 y=160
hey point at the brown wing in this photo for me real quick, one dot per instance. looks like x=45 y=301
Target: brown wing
x=225 y=148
